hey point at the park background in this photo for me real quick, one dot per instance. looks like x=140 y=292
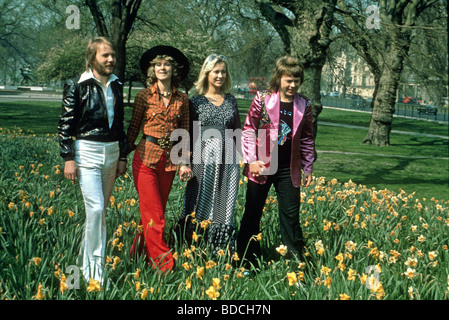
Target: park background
x=376 y=218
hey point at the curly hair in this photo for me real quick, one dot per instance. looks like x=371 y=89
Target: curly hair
x=151 y=76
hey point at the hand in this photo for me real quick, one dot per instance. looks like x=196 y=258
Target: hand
x=121 y=168
x=256 y=168
x=185 y=173
x=306 y=179
x=71 y=171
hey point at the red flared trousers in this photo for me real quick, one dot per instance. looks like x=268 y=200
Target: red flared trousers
x=153 y=187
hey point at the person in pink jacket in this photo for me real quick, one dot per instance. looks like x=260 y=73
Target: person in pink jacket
x=278 y=149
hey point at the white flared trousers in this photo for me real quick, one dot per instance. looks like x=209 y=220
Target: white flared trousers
x=97 y=164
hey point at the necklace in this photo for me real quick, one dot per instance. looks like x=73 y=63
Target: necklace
x=165 y=93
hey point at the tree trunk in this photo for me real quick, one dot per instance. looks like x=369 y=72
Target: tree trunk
x=384 y=50
x=124 y=14
x=384 y=98
x=120 y=47
x=311 y=89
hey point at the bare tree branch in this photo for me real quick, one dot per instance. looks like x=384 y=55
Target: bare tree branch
x=98 y=18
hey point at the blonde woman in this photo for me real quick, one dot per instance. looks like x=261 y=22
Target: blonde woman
x=212 y=191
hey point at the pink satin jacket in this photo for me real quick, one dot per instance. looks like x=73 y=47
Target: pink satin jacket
x=253 y=140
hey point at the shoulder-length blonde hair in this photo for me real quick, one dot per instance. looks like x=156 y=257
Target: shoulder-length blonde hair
x=286 y=65
x=151 y=76
x=202 y=84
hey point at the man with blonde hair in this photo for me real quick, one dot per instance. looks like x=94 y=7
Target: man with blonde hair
x=92 y=112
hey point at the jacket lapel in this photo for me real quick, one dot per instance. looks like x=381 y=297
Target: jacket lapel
x=299 y=107
x=272 y=104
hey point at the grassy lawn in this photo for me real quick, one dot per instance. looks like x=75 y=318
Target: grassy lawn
x=361 y=243
x=393 y=167
x=399 y=124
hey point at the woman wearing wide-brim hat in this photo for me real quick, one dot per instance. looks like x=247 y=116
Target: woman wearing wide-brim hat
x=158 y=110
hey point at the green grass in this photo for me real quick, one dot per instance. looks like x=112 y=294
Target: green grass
x=395 y=167
x=399 y=124
x=375 y=220
x=370 y=165
x=349 y=229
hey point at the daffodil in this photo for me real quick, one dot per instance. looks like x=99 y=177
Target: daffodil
x=344 y=296
x=200 y=272
x=410 y=273
x=319 y=247
x=412 y=262
x=94 y=286
x=212 y=293
x=63 y=284
x=186 y=265
x=325 y=270
x=37 y=261
x=292 y=279
x=187 y=253
x=118 y=232
x=205 y=224
x=411 y=292
x=40 y=294
x=144 y=294
x=351 y=274
x=327 y=282
x=282 y=250
x=432 y=255
x=216 y=283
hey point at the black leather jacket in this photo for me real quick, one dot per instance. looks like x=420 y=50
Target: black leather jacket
x=84 y=116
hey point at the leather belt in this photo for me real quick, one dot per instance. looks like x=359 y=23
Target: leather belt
x=164 y=142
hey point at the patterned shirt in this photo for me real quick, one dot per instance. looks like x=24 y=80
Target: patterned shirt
x=158 y=120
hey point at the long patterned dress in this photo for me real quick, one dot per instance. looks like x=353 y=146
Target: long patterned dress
x=212 y=192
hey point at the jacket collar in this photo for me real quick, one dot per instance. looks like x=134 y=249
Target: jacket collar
x=87 y=75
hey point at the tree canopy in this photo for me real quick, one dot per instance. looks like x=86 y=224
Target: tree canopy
x=392 y=37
